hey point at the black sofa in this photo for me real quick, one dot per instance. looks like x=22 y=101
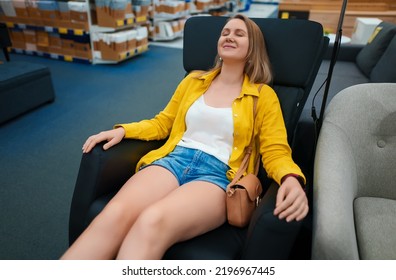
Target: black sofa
x=374 y=62
x=356 y=64
x=24 y=86
x=296 y=49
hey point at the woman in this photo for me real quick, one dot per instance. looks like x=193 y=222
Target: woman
x=179 y=191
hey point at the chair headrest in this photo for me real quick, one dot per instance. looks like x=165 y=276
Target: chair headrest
x=292 y=45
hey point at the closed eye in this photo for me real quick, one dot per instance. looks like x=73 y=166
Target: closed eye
x=237 y=32
x=225 y=32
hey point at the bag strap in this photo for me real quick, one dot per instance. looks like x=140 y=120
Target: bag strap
x=248 y=150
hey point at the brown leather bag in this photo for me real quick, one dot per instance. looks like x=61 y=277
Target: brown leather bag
x=243 y=193
x=242 y=199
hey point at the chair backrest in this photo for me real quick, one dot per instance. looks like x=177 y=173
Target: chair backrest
x=295 y=49
x=355 y=189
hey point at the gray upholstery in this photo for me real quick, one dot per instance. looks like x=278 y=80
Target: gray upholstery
x=355 y=190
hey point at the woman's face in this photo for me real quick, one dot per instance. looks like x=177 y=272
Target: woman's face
x=233 y=43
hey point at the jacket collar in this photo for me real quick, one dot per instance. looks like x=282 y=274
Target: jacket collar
x=248 y=88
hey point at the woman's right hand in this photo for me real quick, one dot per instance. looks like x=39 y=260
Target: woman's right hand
x=113 y=137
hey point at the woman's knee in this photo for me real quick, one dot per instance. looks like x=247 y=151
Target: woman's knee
x=150 y=222
x=114 y=216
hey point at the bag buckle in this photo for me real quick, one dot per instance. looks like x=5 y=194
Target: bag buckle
x=230 y=192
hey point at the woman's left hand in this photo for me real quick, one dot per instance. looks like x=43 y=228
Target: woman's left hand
x=291 y=201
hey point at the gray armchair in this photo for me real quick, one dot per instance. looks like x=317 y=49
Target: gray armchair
x=354 y=201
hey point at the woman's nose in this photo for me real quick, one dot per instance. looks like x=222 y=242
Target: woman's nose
x=229 y=39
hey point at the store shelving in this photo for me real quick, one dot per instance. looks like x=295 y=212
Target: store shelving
x=168 y=19
x=64 y=30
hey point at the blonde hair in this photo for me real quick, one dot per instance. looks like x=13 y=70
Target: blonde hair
x=257 y=65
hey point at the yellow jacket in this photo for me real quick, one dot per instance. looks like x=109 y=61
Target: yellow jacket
x=269 y=128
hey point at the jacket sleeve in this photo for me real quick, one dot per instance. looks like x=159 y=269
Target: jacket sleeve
x=274 y=147
x=160 y=126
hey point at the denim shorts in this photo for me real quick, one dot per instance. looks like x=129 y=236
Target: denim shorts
x=189 y=165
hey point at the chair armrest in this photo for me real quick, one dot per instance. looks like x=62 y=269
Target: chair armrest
x=347 y=52
x=269 y=238
x=103 y=172
x=335 y=181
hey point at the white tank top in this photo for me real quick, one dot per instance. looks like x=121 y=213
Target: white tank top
x=209 y=129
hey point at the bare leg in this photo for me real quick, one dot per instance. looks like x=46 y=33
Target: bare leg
x=191 y=210
x=103 y=237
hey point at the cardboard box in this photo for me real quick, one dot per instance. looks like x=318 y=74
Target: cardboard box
x=49 y=10
x=107 y=52
x=363 y=29
x=104 y=17
x=33 y=12
x=131 y=44
x=18 y=44
x=141 y=42
x=17 y=36
x=52 y=15
x=30 y=47
x=67 y=46
x=78 y=11
x=82 y=50
x=30 y=36
x=65 y=15
x=20 y=8
x=114 y=14
x=131 y=39
x=42 y=38
x=21 y=12
x=79 y=16
x=55 y=41
x=141 y=11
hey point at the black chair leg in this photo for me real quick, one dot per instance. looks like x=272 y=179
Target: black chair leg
x=6 y=54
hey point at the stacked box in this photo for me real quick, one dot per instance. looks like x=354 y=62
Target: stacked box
x=17 y=39
x=115 y=46
x=202 y=4
x=175 y=26
x=30 y=39
x=78 y=11
x=219 y=2
x=170 y=7
x=169 y=29
x=55 y=43
x=67 y=43
x=64 y=10
x=131 y=39
x=32 y=8
x=110 y=12
x=49 y=10
x=141 y=11
x=20 y=8
x=30 y=36
x=142 y=36
x=42 y=41
x=82 y=47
